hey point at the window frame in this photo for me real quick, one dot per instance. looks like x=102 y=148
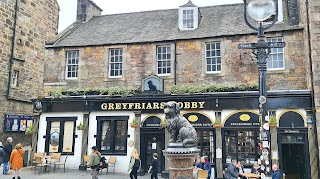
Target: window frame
x=283 y=52
x=162 y=60
x=75 y=64
x=186 y=20
x=211 y=57
x=109 y=63
x=62 y=121
x=14 y=78
x=100 y=120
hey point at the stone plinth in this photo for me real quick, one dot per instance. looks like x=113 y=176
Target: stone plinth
x=181 y=160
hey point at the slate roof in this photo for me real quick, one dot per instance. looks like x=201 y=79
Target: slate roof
x=189 y=4
x=157 y=26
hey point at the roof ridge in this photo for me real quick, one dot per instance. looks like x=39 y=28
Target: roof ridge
x=63 y=33
x=200 y=7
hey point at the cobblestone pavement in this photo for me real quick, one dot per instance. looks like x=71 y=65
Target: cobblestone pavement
x=70 y=174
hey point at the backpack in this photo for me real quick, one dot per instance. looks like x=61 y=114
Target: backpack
x=103 y=163
x=137 y=164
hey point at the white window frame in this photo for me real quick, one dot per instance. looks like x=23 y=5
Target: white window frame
x=168 y=52
x=187 y=16
x=276 y=53
x=75 y=63
x=120 y=57
x=213 y=57
x=15 y=78
x=195 y=11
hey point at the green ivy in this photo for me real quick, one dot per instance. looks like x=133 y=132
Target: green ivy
x=192 y=89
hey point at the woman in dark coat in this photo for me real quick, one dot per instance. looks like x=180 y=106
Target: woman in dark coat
x=7 y=152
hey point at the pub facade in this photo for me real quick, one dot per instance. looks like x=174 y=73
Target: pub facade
x=227 y=128
x=105 y=84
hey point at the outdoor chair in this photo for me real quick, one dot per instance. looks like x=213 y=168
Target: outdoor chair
x=59 y=164
x=39 y=164
x=86 y=159
x=112 y=163
x=55 y=157
x=203 y=174
x=33 y=162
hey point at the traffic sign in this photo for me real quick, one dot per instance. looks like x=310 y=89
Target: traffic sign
x=276 y=44
x=247 y=46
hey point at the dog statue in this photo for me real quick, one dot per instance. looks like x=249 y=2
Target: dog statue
x=180 y=129
x=152 y=87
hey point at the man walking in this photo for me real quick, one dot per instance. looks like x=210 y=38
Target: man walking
x=7 y=152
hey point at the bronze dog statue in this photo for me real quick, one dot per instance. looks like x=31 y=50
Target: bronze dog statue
x=180 y=129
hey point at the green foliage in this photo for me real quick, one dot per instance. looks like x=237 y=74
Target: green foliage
x=134 y=121
x=80 y=126
x=192 y=89
x=112 y=91
x=217 y=121
x=272 y=120
x=30 y=130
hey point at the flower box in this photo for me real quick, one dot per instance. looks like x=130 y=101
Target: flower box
x=134 y=125
x=217 y=125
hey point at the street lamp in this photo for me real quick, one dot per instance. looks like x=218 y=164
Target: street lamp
x=261 y=10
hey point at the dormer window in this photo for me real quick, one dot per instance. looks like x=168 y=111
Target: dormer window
x=188 y=16
x=188 y=19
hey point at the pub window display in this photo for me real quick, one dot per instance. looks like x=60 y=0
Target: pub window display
x=60 y=135
x=206 y=144
x=241 y=145
x=112 y=135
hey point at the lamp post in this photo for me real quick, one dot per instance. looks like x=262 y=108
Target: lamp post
x=261 y=10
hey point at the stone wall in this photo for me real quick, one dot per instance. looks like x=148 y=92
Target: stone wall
x=140 y=61
x=37 y=22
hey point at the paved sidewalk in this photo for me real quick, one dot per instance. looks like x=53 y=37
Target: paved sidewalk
x=70 y=174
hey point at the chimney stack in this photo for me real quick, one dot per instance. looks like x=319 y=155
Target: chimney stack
x=86 y=9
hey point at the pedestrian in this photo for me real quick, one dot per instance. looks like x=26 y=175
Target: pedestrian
x=204 y=164
x=134 y=164
x=232 y=170
x=276 y=172
x=1 y=153
x=256 y=168
x=7 y=152
x=154 y=167
x=16 y=160
x=94 y=162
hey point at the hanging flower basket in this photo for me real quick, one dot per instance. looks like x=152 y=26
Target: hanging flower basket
x=134 y=125
x=30 y=131
x=272 y=124
x=217 y=125
x=80 y=127
x=163 y=125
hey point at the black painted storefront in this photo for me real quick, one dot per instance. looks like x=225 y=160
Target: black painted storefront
x=193 y=105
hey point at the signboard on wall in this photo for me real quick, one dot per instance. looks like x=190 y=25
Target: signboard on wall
x=198 y=120
x=243 y=119
x=16 y=123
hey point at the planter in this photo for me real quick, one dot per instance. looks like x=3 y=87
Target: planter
x=134 y=125
x=80 y=128
x=163 y=125
x=272 y=125
x=29 y=133
x=217 y=125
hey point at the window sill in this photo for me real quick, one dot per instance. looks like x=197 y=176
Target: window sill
x=14 y=87
x=71 y=79
x=113 y=154
x=214 y=73
x=277 y=70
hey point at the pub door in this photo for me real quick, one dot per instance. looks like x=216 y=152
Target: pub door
x=152 y=142
x=293 y=153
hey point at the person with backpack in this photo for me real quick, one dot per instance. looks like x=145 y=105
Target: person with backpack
x=16 y=160
x=154 y=167
x=134 y=164
x=1 y=153
x=94 y=162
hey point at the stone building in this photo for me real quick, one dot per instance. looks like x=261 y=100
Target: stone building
x=102 y=75
x=25 y=28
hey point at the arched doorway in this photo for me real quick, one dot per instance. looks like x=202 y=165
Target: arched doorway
x=293 y=145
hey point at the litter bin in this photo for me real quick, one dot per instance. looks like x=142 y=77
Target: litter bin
x=25 y=158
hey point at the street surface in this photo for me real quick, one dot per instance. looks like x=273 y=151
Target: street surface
x=70 y=174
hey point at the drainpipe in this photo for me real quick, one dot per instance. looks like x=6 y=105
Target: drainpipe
x=312 y=85
x=12 y=49
x=175 y=62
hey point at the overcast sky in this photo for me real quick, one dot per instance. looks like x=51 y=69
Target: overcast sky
x=68 y=8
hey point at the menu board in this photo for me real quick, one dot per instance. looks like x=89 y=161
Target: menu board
x=16 y=123
x=54 y=137
x=68 y=136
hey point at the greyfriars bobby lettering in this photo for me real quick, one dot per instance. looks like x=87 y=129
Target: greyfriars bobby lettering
x=180 y=129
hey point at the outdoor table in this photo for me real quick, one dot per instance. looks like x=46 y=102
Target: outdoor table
x=250 y=175
x=46 y=158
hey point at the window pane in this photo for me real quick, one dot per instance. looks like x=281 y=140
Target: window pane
x=68 y=136
x=120 y=136
x=106 y=136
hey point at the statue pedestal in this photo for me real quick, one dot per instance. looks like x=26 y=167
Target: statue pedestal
x=181 y=160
